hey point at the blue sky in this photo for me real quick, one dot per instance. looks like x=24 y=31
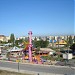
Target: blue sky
x=42 y=17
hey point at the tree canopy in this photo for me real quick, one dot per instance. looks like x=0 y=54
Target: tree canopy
x=74 y=38
x=70 y=40
x=41 y=43
x=12 y=38
x=72 y=47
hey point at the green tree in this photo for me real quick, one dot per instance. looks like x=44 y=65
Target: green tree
x=73 y=47
x=35 y=39
x=0 y=42
x=9 y=41
x=70 y=41
x=58 y=41
x=16 y=42
x=40 y=37
x=26 y=39
x=67 y=38
x=37 y=43
x=67 y=41
x=52 y=42
x=54 y=37
x=20 y=41
x=37 y=51
x=41 y=43
x=12 y=39
x=38 y=48
x=74 y=38
x=8 y=55
x=47 y=38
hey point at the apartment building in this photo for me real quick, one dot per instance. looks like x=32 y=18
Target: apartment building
x=7 y=38
x=3 y=38
x=22 y=37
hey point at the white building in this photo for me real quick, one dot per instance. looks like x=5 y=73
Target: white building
x=8 y=38
x=33 y=37
x=22 y=37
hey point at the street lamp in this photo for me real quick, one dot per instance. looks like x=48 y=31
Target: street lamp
x=18 y=63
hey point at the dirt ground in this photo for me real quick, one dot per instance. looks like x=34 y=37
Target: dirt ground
x=3 y=72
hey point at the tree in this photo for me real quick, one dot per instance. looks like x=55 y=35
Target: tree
x=47 y=38
x=0 y=42
x=35 y=39
x=67 y=41
x=74 y=38
x=41 y=43
x=67 y=38
x=26 y=39
x=9 y=41
x=39 y=37
x=38 y=48
x=70 y=41
x=52 y=42
x=54 y=37
x=58 y=41
x=73 y=47
x=37 y=43
x=16 y=42
x=20 y=41
x=12 y=39
x=8 y=55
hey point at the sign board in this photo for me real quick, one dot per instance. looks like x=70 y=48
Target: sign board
x=67 y=56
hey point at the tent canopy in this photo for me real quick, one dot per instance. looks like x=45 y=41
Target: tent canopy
x=15 y=49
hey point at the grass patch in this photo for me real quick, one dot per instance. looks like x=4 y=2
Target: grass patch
x=4 y=72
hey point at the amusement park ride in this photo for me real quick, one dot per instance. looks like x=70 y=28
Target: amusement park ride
x=28 y=46
x=30 y=51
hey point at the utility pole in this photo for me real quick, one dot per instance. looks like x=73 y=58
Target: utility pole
x=58 y=41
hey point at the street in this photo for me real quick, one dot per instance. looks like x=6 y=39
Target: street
x=38 y=68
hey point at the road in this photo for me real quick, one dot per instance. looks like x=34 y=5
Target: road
x=38 y=68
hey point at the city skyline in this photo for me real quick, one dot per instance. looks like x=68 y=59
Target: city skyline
x=42 y=17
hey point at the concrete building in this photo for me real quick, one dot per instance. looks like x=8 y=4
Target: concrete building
x=3 y=38
x=33 y=37
x=7 y=38
x=37 y=38
x=22 y=37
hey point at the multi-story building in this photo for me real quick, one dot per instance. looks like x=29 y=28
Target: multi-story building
x=7 y=38
x=3 y=38
x=38 y=38
x=22 y=37
x=33 y=37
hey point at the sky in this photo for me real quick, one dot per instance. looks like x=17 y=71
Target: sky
x=42 y=17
